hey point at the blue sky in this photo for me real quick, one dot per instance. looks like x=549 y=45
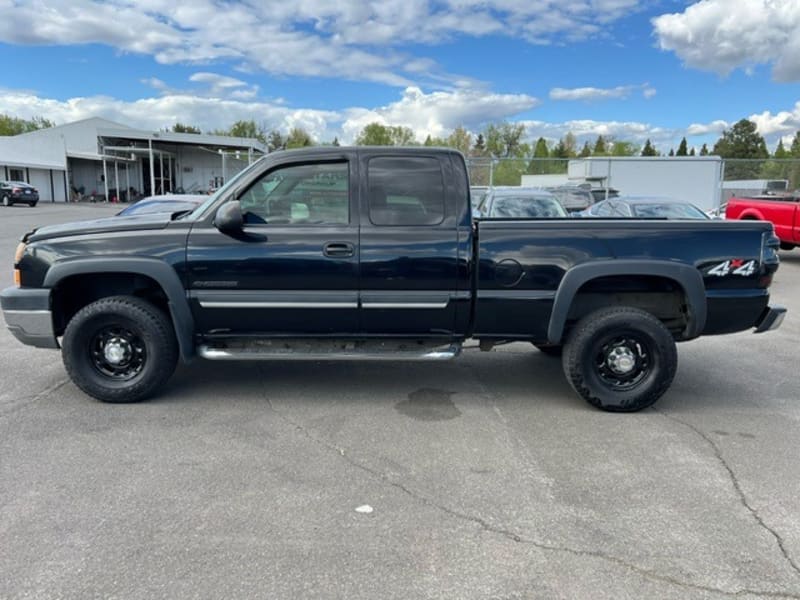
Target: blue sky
x=632 y=69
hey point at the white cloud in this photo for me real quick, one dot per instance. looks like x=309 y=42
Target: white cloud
x=715 y=127
x=438 y=113
x=723 y=35
x=591 y=94
x=352 y=40
x=435 y=113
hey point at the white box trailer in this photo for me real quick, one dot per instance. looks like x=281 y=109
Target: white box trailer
x=695 y=179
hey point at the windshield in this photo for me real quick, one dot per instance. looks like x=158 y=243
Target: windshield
x=668 y=210
x=526 y=207
x=200 y=210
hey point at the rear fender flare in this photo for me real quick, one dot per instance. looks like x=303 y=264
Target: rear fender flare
x=689 y=278
x=157 y=270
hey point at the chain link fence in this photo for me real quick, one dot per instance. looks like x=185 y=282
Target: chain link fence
x=706 y=181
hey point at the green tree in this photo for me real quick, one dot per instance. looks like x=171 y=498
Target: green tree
x=794 y=149
x=743 y=142
x=683 y=148
x=692 y=152
x=648 y=149
x=335 y=141
x=586 y=151
x=375 y=134
x=461 y=140
x=247 y=129
x=509 y=171
x=599 y=147
x=299 y=138
x=14 y=125
x=624 y=149
x=183 y=128
x=671 y=152
x=538 y=164
x=704 y=150
x=480 y=146
x=781 y=152
x=505 y=140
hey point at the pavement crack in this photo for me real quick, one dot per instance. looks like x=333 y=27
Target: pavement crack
x=508 y=533
x=27 y=401
x=738 y=488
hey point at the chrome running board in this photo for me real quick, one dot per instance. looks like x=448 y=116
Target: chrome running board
x=328 y=350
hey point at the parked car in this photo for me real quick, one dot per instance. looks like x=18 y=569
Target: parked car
x=18 y=192
x=379 y=258
x=644 y=207
x=477 y=193
x=782 y=211
x=573 y=198
x=168 y=203
x=520 y=203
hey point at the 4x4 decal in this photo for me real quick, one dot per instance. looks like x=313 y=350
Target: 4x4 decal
x=735 y=266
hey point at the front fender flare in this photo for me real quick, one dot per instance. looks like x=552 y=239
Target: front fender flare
x=155 y=269
x=689 y=278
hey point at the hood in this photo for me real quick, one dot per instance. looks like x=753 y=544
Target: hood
x=104 y=225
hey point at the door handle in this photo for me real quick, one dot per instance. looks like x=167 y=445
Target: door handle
x=338 y=250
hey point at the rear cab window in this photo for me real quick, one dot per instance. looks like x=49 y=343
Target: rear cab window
x=405 y=191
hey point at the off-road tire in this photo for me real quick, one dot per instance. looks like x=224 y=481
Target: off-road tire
x=596 y=335
x=152 y=330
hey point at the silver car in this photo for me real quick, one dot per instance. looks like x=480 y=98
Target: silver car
x=520 y=203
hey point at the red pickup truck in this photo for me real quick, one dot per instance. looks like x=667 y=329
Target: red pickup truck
x=782 y=211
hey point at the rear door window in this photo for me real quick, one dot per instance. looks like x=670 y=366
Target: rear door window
x=405 y=190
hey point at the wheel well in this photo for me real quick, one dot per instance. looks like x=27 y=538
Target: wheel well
x=76 y=291
x=662 y=297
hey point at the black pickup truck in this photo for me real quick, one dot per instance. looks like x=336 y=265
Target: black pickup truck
x=373 y=253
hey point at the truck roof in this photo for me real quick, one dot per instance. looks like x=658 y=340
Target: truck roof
x=376 y=150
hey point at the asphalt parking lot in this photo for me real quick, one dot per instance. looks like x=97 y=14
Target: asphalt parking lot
x=487 y=477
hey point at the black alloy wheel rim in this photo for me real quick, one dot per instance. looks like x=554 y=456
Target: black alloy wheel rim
x=117 y=352
x=622 y=362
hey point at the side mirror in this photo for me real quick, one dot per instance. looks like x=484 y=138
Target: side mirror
x=229 y=218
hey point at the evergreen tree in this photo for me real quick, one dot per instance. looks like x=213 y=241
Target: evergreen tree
x=480 y=145
x=671 y=152
x=683 y=149
x=648 y=149
x=599 y=147
x=692 y=152
x=704 y=150
x=541 y=150
x=586 y=151
x=742 y=141
x=794 y=150
x=335 y=142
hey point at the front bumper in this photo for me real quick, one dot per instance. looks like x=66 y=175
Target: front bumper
x=28 y=316
x=770 y=319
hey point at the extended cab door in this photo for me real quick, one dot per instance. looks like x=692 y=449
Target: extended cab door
x=294 y=268
x=412 y=206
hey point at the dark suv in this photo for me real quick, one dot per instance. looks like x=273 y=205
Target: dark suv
x=18 y=192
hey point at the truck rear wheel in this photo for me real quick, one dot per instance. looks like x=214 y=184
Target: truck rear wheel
x=119 y=349
x=620 y=359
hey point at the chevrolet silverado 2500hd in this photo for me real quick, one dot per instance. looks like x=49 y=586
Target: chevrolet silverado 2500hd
x=373 y=253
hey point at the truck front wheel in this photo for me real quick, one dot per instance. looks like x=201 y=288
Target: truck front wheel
x=620 y=359
x=119 y=349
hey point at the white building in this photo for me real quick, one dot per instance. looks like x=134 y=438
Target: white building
x=96 y=157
